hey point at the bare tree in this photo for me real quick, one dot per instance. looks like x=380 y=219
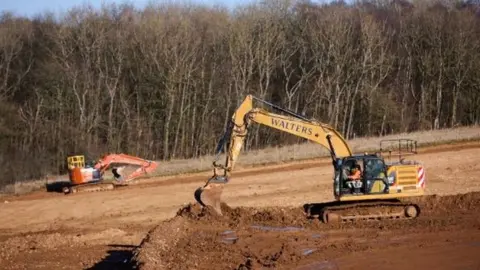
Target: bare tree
x=376 y=65
x=460 y=29
x=14 y=33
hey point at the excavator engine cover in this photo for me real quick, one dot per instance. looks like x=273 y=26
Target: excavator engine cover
x=80 y=176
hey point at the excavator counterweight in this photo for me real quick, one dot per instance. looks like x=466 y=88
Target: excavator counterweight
x=375 y=181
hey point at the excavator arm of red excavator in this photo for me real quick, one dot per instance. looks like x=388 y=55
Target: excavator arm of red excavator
x=145 y=166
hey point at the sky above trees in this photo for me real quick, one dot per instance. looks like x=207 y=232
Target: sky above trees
x=32 y=7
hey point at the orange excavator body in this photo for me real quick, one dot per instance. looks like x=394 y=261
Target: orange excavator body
x=80 y=176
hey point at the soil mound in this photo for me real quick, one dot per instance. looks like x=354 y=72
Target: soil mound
x=154 y=251
x=240 y=216
x=435 y=204
x=283 y=238
x=195 y=211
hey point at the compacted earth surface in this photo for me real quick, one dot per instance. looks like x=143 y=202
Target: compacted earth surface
x=155 y=224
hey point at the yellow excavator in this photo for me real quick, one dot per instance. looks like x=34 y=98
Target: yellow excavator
x=364 y=185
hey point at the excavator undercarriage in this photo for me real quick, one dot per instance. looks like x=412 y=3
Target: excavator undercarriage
x=365 y=186
x=89 y=187
x=341 y=211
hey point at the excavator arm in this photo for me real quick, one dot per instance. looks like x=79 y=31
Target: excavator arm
x=145 y=166
x=237 y=131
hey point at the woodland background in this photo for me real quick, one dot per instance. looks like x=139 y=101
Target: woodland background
x=162 y=82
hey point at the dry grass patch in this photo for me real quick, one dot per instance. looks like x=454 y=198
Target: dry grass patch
x=311 y=150
x=272 y=155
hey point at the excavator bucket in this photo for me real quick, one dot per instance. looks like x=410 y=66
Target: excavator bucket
x=210 y=195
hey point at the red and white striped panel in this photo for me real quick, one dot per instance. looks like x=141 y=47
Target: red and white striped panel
x=421 y=177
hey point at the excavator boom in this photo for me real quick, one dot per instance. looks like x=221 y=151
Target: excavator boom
x=237 y=130
x=145 y=166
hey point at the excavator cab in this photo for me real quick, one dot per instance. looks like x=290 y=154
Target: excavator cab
x=373 y=172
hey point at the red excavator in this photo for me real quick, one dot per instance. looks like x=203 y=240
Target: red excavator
x=91 y=178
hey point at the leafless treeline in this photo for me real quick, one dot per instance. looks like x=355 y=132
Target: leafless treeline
x=162 y=82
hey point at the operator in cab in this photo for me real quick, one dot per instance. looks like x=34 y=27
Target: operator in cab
x=353 y=180
x=355 y=173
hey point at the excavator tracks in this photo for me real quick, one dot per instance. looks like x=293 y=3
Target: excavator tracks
x=89 y=188
x=339 y=212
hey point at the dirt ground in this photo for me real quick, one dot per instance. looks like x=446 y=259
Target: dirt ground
x=281 y=238
x=265 y=226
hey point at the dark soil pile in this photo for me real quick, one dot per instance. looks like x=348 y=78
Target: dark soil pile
x=241 y=216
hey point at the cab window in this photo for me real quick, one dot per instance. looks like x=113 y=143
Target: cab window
x=374 y=169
